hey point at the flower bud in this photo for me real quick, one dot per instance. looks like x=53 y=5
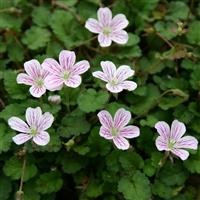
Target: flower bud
x=54 y=99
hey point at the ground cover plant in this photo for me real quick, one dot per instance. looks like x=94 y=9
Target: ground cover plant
x=99 y=99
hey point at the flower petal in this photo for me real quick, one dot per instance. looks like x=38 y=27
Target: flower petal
x=67 y=59
x=130 y=132
x=114 y=88
x=183 y=154
x=109 y=69
x=18 y=125
x=124 y=72
x=120 y=37
x=105 y=133
x=161 y=144
x=21 y=138
x=42 y=138
x=100 y=75
x=53 y=82
x=163 y=129
x=177 y=130
x=51 y=66
x=121 y=143
x=45 y=121
x=37 y=91
x=81 y=67
x=119 y=22
x=104 y=16
x=128 y=85
x=93 y=25
x=121 y=118
x=33 y=68
x=105 y=119
x=73 y=81
x=33 y=115
x=187 y=142
x=23 y=78
x=104 y=40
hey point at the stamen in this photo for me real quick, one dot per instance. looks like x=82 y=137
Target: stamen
x=107 y=31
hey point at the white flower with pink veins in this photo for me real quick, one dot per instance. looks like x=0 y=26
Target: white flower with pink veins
x=109 y=29
x=116 y=78
x=34 y=76
x=35 y=127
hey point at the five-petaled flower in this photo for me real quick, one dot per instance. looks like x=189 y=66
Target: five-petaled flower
x=35 y=128
x=67 y=72
x=116 y=129
x=34 y=76
x=116 y=78
x=171 y=140
x=109 y=29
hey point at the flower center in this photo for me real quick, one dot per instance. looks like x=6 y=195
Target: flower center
x=65 y=75
x=33 y=131
x=39 y=82
x=171 y=143
x=113 y=82
x=114 y=131
x=107 y=31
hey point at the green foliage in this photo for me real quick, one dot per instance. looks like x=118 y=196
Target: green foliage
x=13 y=169
x=6 y=189
x=49 y=183
x=133 y=187
x=42 y=35
x=192 y=34
x=163 y=49
x=5 y=136
x=98 y=100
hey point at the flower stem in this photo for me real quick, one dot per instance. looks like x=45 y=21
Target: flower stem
x=20 y=193
x=162 y=162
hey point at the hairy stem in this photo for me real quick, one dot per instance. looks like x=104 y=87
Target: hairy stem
x=20 y=193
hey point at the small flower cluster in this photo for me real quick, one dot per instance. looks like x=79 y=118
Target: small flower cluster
x=52 y=75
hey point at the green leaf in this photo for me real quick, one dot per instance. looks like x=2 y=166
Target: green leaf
x=30 y=192
x=94 y=189
x=60 y=23
x=144 y=103
x=70 y=125
x=98 y=100
x=6 y=138
x=133 y=39
x=131 y=161
x=8 y=21
x=15 y=52
x=99 y=145
x=36 y=37
x=49 y=182
x=166 y=29
x=192 y=35
x=136 y=187
x=6 y=188
x=41 y=16
x=177 y=11
x=193 y=163
x=171 y=101
x=13 y=169
x=16 y=91
x=71 y=165
x=195 y=79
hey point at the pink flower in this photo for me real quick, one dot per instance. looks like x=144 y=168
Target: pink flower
x=109 y=29
x=34 y=76
x=67 y=72
x=116 y=78
x=35 y=128
x=116 y=129
x=172 y=140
